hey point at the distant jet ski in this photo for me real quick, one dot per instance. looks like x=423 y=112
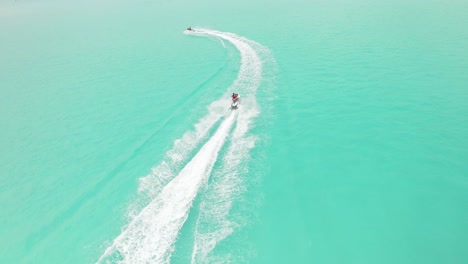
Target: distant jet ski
x=190 y=29
x=235 y=101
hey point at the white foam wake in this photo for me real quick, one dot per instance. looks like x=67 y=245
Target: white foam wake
x=174 y=159
x=215 y=221
x=150 y=236
x=250 y=72
x=246 y=84
x=213 y=224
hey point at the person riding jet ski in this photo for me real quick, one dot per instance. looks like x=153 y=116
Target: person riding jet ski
x=235 y=101
x=190 y=29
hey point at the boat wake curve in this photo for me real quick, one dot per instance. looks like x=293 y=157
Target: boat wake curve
x=151 y=234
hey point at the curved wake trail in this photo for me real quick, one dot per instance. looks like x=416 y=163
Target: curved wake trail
x=246 y=84
x=151 y=235
x=215 y=221
x=251 y=65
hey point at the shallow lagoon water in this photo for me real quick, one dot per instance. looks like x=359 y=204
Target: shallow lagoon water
x=356 y=150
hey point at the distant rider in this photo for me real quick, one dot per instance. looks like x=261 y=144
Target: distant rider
x=235 y=97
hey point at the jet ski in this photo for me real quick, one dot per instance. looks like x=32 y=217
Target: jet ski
x=190 y=29
x=235 y=101
x=235 y=104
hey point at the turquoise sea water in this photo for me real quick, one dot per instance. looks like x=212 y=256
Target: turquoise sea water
x=350 y=144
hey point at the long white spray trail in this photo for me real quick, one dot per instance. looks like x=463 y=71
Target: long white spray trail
x=151 y=235
x=246 y=84
x=214 y=222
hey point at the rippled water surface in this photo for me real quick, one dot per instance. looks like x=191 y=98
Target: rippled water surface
x=117 y=144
